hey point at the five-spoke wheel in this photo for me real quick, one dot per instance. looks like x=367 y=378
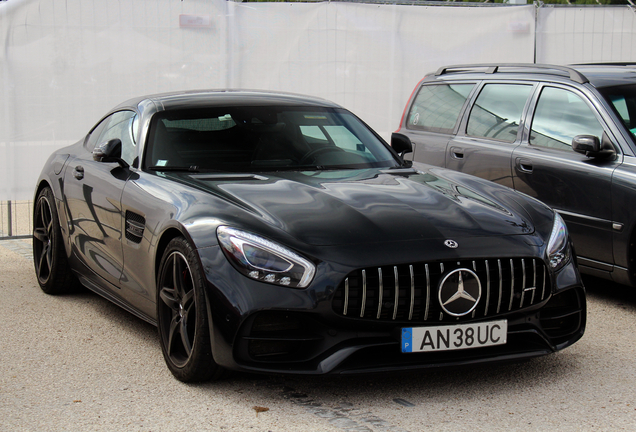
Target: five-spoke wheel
x=49 y=256
x=182 y=315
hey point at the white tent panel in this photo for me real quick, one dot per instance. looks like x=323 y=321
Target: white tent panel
x=64 y=64
x=585 y=35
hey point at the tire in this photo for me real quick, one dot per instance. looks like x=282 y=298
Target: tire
x=182 y=317
x=49 y=257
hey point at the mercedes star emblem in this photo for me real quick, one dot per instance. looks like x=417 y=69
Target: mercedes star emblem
x=451 y=244
x=459 y=292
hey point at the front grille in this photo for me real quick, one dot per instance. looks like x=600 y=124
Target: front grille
x=410 y=292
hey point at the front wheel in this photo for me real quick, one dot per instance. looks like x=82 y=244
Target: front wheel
x=51 y=264
x=182 y=316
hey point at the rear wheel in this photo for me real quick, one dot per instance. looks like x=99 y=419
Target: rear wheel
x=182 y=315
x=51 y=264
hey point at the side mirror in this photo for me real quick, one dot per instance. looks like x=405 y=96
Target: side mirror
x=591 y=146
x=110 y=151
x=401 y=144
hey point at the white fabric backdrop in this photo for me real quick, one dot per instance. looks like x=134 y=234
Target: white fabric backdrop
x=64 y=64
x=586 y=34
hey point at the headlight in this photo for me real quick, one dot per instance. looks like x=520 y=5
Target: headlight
x=558 y=247
x=263 y=260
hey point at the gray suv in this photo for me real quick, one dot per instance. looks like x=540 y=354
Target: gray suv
x=564 y=135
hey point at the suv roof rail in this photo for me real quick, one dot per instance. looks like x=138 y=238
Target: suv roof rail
x=492 y=68
x=606 y=64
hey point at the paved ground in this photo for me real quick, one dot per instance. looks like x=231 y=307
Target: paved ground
x=78 y=363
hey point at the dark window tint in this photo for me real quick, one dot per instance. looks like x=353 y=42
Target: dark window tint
x=497 y=111
x=263 y=138
x=437 y=107
x=623 y=99
x=560 y=116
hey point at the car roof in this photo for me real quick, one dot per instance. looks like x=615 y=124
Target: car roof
x=598 y=75
x=227 y=97
x=608 y=75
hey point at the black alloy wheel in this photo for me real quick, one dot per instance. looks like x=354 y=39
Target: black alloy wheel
x=182 y=315
x=49 y=257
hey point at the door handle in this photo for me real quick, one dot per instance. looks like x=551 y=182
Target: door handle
x=78 y=172
x=457 y=153
x=525 y=165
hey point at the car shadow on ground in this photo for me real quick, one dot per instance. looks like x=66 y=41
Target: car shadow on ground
x=602 y=289
x=331 y=388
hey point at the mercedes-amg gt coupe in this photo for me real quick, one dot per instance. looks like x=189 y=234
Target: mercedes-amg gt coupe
x=277 y=233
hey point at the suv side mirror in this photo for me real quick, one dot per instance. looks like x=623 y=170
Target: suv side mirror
x=110 y=151
x=591 y=146
x=401 y=144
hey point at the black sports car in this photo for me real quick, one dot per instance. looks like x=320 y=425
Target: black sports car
x=278 y=233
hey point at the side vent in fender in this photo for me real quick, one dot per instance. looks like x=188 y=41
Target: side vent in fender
x=135 y=225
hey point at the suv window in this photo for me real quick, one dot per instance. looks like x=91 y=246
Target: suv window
x=623 y=99
x=560 y=116
x=437 y=107
x=497 y=111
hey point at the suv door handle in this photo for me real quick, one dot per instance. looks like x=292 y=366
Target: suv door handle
x=457 y=153
x=524 y=165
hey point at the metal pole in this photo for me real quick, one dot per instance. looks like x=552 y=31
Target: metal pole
x=10 y=222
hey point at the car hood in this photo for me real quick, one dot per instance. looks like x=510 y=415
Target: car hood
x=367 y=206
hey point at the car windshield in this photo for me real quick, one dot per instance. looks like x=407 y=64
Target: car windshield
x=253 y=139
x=623 y=99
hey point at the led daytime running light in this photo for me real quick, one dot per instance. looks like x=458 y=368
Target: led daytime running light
x=264 y=260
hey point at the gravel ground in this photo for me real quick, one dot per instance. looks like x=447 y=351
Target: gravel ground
x=78 y=363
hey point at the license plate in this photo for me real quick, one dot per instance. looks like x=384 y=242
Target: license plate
x=454 y=337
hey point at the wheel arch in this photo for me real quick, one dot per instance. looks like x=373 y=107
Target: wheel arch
x=44 y=183
x=166 y=237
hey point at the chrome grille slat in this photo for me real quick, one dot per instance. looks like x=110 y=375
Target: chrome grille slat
x=487 y=288
x=523 y=283
x=412 y=292
x=364 y=293
x=534 y=281
x=543 y=290
x=346 y=301
x=428 y=292
x=381 y=294
x=397 y=292
x=512 y=284
x=409 y=292
x=500 y=286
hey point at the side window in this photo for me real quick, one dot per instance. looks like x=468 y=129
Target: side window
x=497 y=111
x=122 y=125
x=437 y=107
x=95 y=134
x=560 y=115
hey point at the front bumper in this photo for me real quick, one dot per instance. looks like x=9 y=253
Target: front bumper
x=265 y=328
